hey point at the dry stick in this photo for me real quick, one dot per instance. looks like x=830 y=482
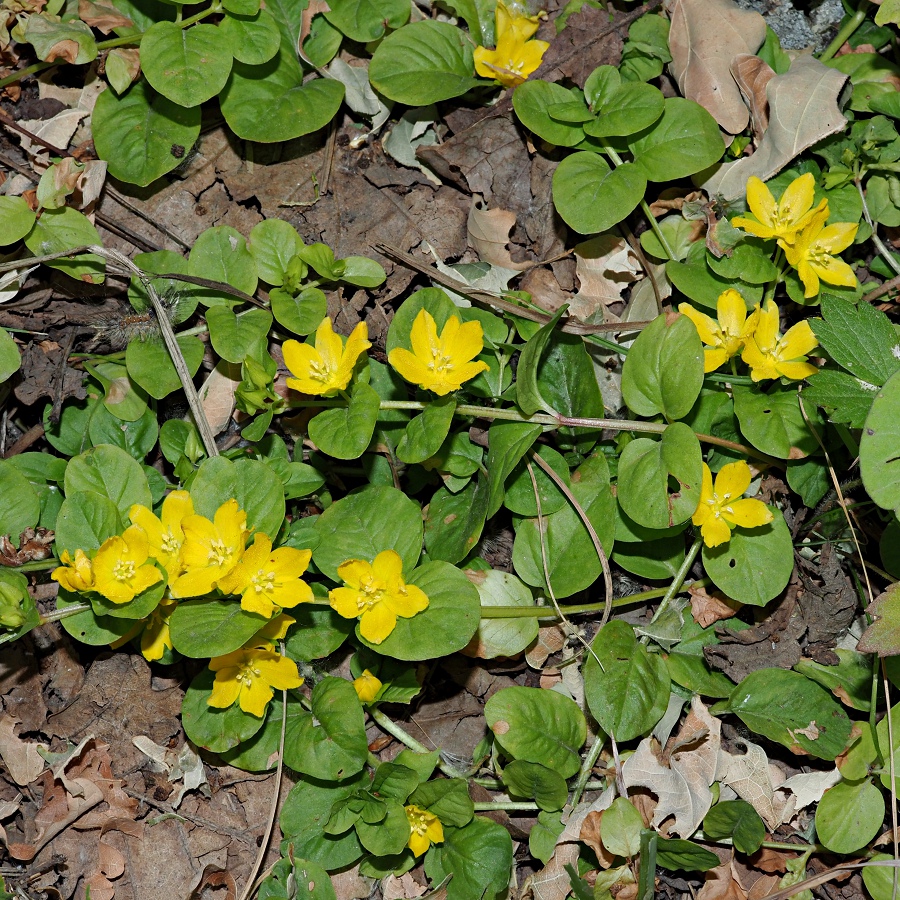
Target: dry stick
x=251 y=885
x=824 y=877
x=883 y=289
x=168 y=335
x=598 y=546
x=886 y=684
x=570 y=628
x=492 y=299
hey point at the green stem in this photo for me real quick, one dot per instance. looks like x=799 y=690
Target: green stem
x=845 y=33
x=547 y=612
x=394 y=730
x=586 y=767
x=65 y=612
x=678 y=581
x=43 y=565
x=647 y=875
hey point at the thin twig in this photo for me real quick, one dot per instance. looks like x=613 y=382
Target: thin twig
x=883 y=289
x=886 y=254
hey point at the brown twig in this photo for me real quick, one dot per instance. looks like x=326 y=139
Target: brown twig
x=35 y=433
x=883 y=289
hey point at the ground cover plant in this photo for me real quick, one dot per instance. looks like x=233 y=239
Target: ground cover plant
x=557 y=557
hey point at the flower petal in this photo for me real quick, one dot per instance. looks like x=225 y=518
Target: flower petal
x=278 y=671
x=836 y=237
x=796 y=370
x=798 y=197
x=346 y=602
x=706 y=327
x=797 y=341
x=715 y=531
x=256 y=697
x=732 y=313
x=377 y=623
x=423 y=336
x=733 y=480
x=409 y=367
x=354 y=571
x=408 y=601
x=834 y=271
x=226 y=688
x=749 y=513
x=713 y=357
x=387 y=567
x=761 y=202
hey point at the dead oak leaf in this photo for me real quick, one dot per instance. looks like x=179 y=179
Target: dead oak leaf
x=488 y=233
x=752 y=75
x=23 y=761
x=704 y=38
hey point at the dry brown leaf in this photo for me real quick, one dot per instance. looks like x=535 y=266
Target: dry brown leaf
x=350 y=885
x=808 y=787
x=704 y=37
x=748 y=775
x=403 y=888
x=217 y=394
x=605 y=266
x=57 y=131
x=488 y=232
x=721 y=884
x=541 y=283
x=551 y=639
x=23 y=762
x=131 y=57
x=802 y=110
x=683 y=788
x=102 y=15
x=752 y=75
x=708 y=608
x=590 y=835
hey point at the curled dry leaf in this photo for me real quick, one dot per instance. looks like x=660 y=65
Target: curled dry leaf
x=102 y=15
x=23 y=762
x=802 y=111
x=217 y=394
x=752 y=76
x=750 y=778
x=709 y=608
x=704 y=38
x=605 y=266
x=488 y=231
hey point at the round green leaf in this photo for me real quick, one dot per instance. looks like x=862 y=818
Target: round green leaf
x=252 y=39
x=260 y=752
x=10 y=358
x=221 y=254
x=663 y=372
x=627 y=691
x=738 y=820
x=455 y=521
x=621 y=827
x=362 y=271
x=329 y=742
x=20 y=507
x=252 y=483
x=345 y=432
x=849 y=816
x=538 y=726
x=235 y=339
x=361 y=525
x=645 y=468
x=572 y=560
x=426 y=432
x=631 y=107
x=273 y=244
x=150 y=366
x=111 y=472
x=135 y=438
x=879 y=879
x=270 y=102
x=214 y=729
x=85 y=520
x=423 y=63
x=16 y=219
x=479 y=858
x=318 y=633
x=58 y=230
x=187 y=65
x=659 y=559
x=590 y=196
x=685 y=140
x=533 y=99
x=679 y=855
x=789 y=708
x=301 y=314
x=367 y=20
x=89 y=628
x=501 y=637
x=879 y=464
x=203 y=627
x=519 y=497
x=534 y=781
x=141 y=134
x=445 y=626
x=756 y=564
x=774 y=423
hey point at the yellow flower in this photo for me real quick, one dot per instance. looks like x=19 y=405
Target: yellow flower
x=770 y=354
x=276 y=629
x=515 y=57
x=367 y=686
x=719 y=506
x=165 y=534
x=154 y=631
x=811 y=253
x=328 y=367
x=74 y=575
x=267 y=578
x=248 y=675
x=726 y=337
x=785 y=218
x=425 y=829
x=376 y=593
x=440 y=364
x=211 y=549
x=121 y=570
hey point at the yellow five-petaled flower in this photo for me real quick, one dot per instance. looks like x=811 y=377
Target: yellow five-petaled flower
x=121 y=570
x=267 y=579
x=811 y=253
x=721 y=505
x=376 y=594
x=211 y=549
x=440 y=364
x=515 y=56
x=425 y=829
x=327 y=368
x=165 y=534
x=724 y=338
x=248 y=676
x=784 y=218
x=770 y=354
